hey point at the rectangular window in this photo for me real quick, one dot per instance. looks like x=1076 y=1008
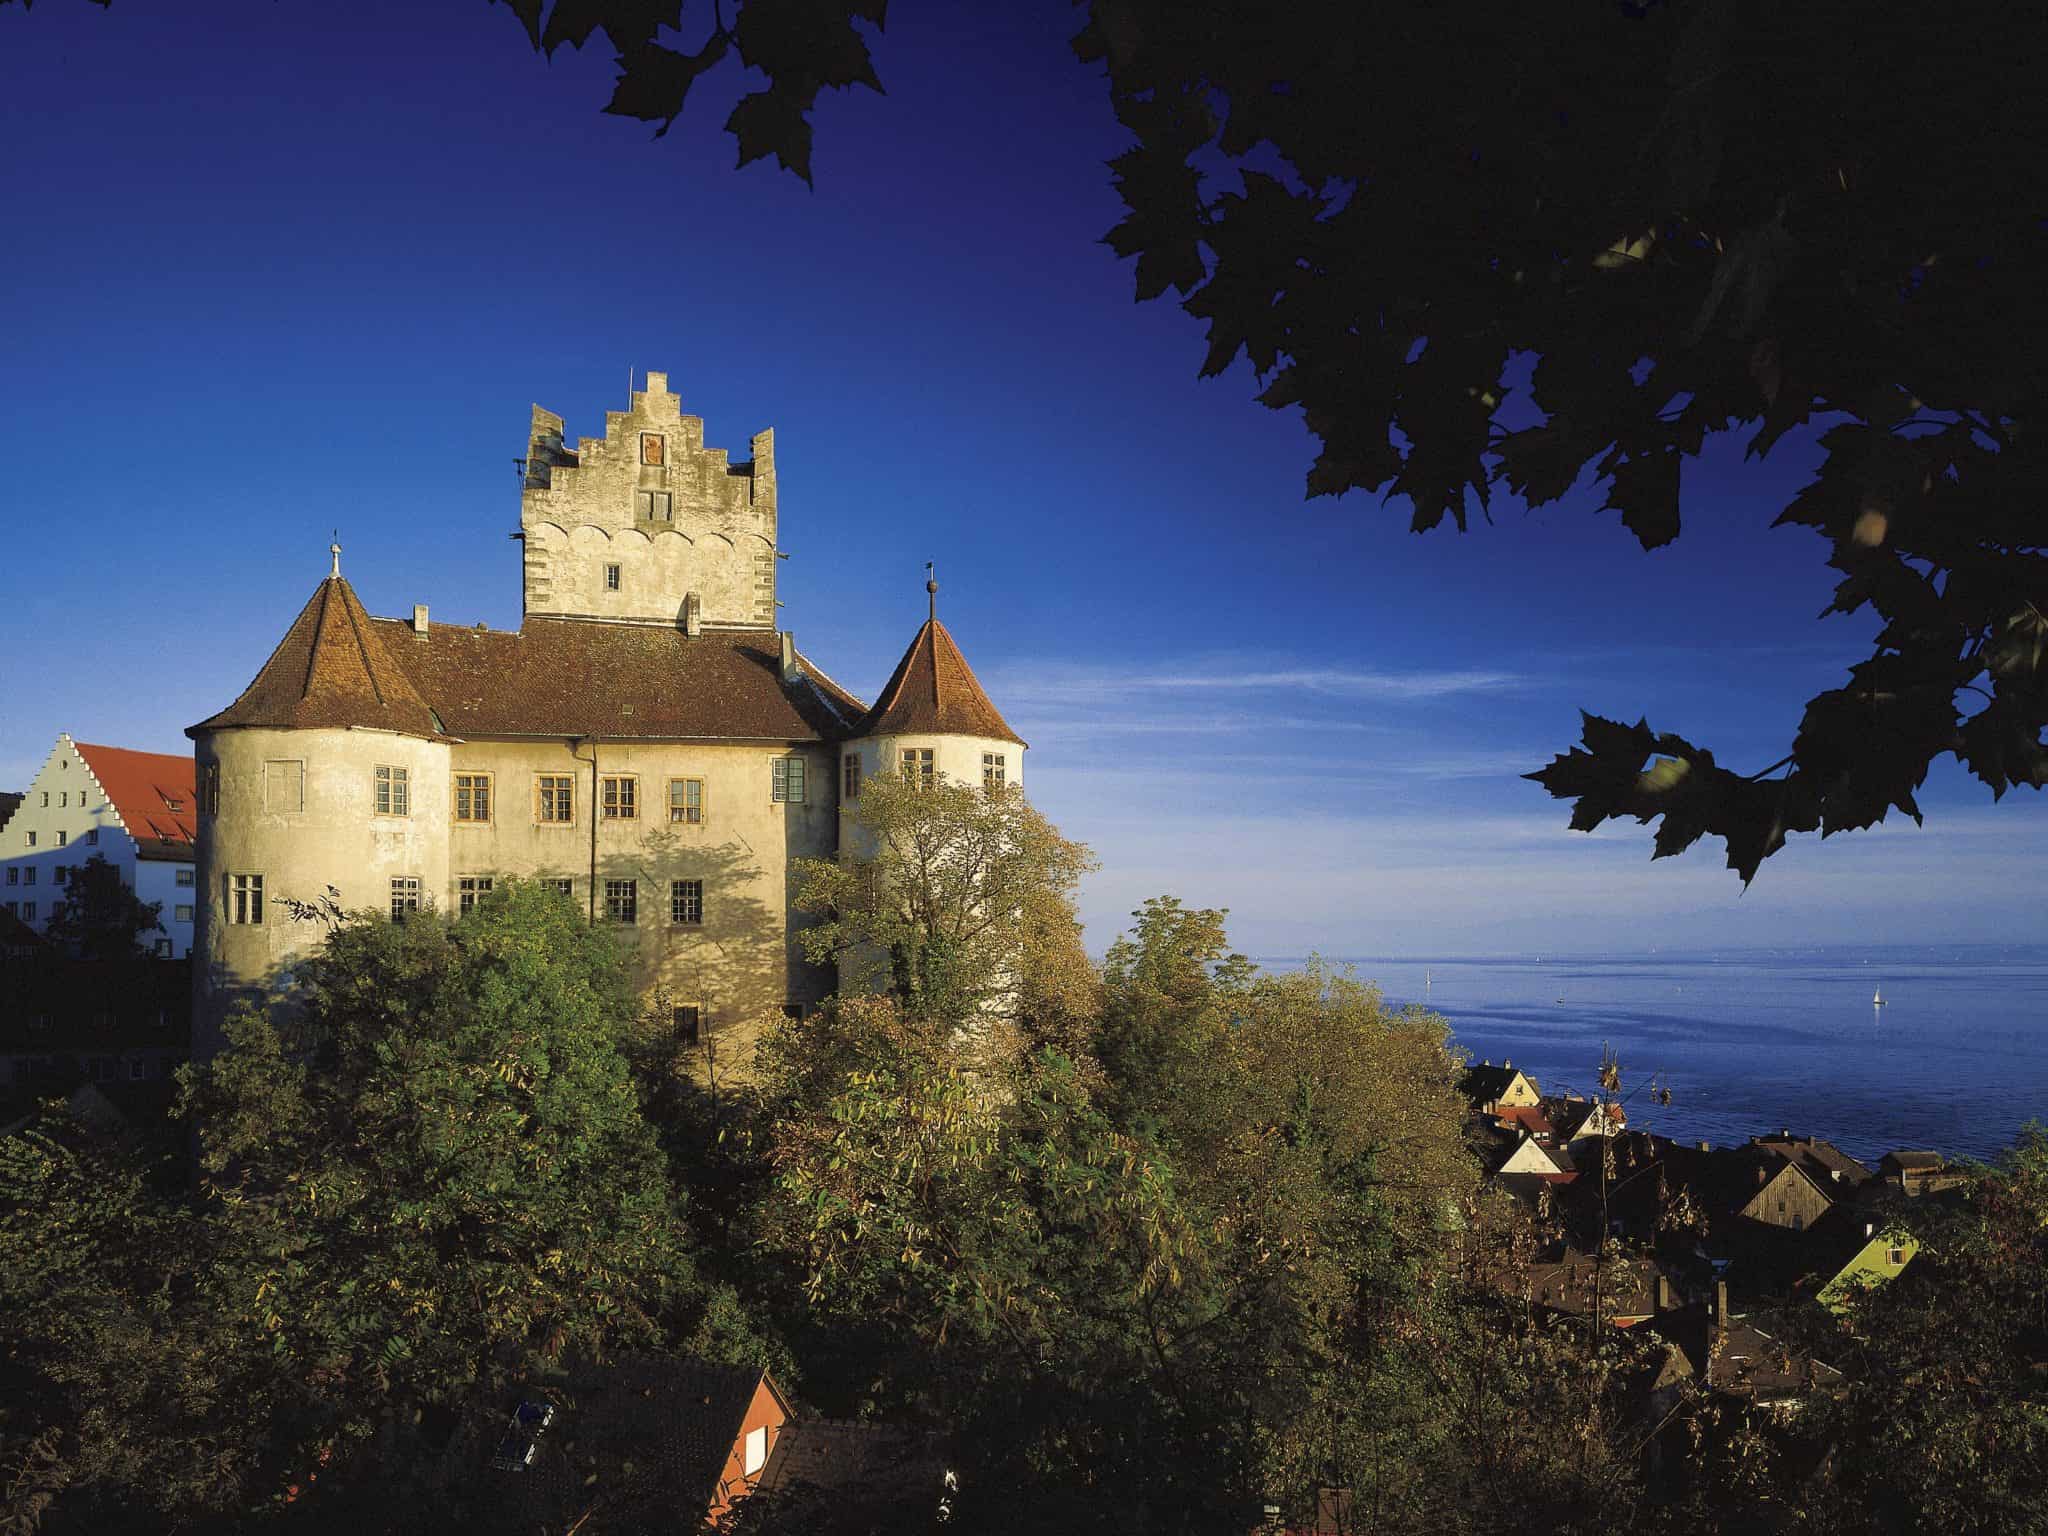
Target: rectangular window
x=561 y=887
x=621 y=799
x=686 y=801
x=686 y=901
x=849 y=776
x=992 y=770
x=405 y=896
x=472 y=797
x=653 y=448
x=689 y=1022
x=138 y=1070
x=654 y=506
x=789 y=780
x=93 y=837
x=554 y=798
x=46 y=799
x=14 y=907
x=1895 y=1256
x=245 y=899
x=31 y=839
x=63 y=798
x=28 y=875
x=14 y=874
x=103 y=1069
x=183 y=877
x=757 y=1450
x=209 y=790
x=181 y=914
x=622 y=901
x=917 y=766
x=611 y=578
x=284 y=786
x=61 y=875
x=63 y=838
x=394 y=792
x=794 y=1012
x=467 y=890
x=28 y=911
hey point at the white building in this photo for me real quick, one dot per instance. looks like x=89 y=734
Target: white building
x=137 y=810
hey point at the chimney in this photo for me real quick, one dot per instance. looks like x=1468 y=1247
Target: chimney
x=1761 y=1177
x=1720 y=1303
x=419 y=620
x=1506 y=1064
x=693 y=614
x=1870 y=1229
x=791 y=670
x=1665 y=1302
x=1706 y=1146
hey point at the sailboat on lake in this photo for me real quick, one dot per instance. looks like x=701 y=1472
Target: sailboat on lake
x=1877 y=998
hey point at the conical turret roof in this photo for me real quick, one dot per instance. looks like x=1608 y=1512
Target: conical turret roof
x=933 y=692
x=330 y=670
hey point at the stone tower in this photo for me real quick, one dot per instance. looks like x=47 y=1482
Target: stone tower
x=646 y=525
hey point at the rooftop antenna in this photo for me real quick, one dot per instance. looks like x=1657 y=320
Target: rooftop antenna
x=931 y=588
x=629 y=386
x=334 y=549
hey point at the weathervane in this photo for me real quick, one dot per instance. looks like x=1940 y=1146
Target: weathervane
x=931 y=588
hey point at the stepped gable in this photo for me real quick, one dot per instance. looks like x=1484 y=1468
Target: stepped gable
x=933 y=692
x=331 y=670
x=571 y=677
x=153 y=794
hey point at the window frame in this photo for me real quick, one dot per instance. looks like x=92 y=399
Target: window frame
x=849 y=776
x=406 y=896
x=470 y=889
x=654 y=506
x=994 y=770
x=920 y=766
x=181 y=912
x=184 y=879
x=614 y=576
x=391 y=790
x=558 y=784
x=622 y=902
x=479 y=782
x=694 y=1022
x=618 y=797
x=680 y=901
x=286 y=762
x=561 y=885
x=779 y=780
x=243 y=907
x=685 y=820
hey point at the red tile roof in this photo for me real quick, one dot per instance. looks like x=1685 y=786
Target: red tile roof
x=153 y=794
x=339 y=667
x=330 y=669
x=934 y=692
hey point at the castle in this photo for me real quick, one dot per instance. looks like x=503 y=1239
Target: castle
x=647 y=740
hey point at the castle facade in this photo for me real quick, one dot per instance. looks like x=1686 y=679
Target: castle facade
x=648 y=740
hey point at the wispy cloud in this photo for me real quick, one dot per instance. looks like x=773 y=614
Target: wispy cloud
x=1071 y=684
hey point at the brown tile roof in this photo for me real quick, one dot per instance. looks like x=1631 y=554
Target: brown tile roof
x=934 y=692
x=1832 y=1170
x=152 y=793
x=331 y=669
x=554 y=677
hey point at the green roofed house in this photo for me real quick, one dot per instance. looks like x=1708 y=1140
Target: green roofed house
x=1855 y=1249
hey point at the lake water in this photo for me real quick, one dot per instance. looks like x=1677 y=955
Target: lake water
x=1753 y=1041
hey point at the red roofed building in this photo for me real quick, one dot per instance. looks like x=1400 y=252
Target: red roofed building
x=137 y=810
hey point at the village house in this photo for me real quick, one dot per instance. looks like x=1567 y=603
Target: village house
x=1489 y=1088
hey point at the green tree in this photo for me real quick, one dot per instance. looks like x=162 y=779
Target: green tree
x=100 y=918
x=955 y=898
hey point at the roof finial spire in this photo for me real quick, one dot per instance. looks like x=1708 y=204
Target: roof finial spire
x=931 y=588
x=334 y=549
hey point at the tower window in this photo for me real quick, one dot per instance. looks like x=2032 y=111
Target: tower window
x=686 y=901
x=611 y=578
x=554 y=798
x=992 y=769
x=653 y=506
x=284 y=786
x=394 y=791
x=469 y=890
x=622 y=901
x=63 y=838
x=405 y=896
x=31 y=839
x=788 y=785
x=621 y=799
x=209 y=791
x=245 y=899
x=917 y=766
x=849 y=776
x=686 y=801
x=472 y=797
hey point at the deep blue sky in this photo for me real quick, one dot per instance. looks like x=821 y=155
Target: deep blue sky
x=274 y=269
